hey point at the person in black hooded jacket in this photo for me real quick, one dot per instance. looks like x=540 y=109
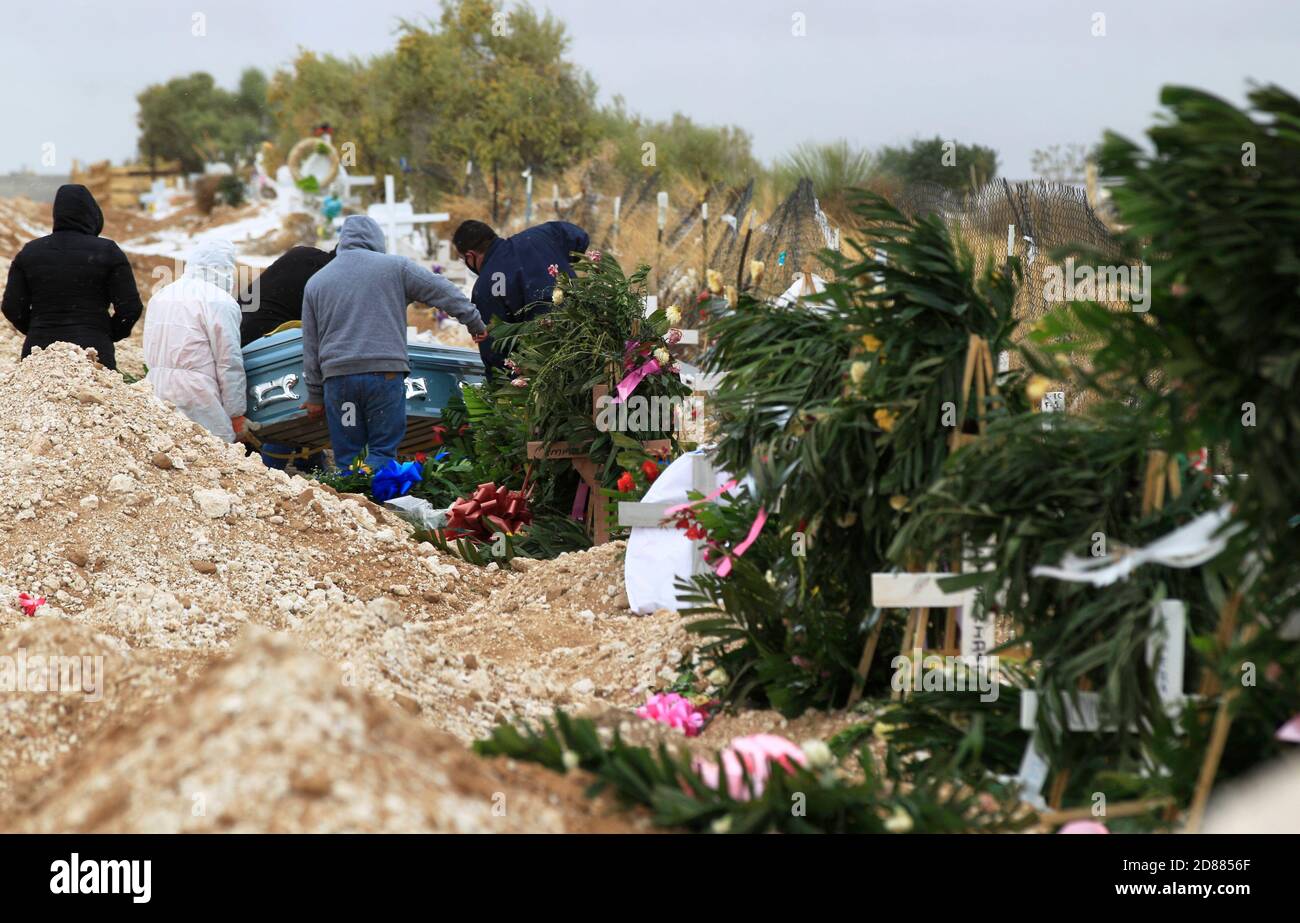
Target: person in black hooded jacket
x=275 y=297
x=61 y=285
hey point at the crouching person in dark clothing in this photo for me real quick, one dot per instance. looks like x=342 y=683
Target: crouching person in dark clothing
x=272 y=300
x=61 y=285
x=275 y=297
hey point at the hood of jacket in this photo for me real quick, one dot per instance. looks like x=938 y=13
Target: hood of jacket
x=75 y=209
x=213 y=261
x=360 y=232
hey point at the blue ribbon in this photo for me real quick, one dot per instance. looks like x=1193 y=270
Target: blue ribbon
x=395 y=479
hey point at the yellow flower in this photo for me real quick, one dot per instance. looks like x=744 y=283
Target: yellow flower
x=715 y=281
x=1037 y=388
x=884 y=419
x=557 y=296
x=674 y=315
x=731 y=295
x=858 y=371
x=870 y=343
x=756 y=270
x=898 y=501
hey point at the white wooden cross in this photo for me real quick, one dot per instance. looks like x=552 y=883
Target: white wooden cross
x=651 y=515
x=399 y=218
x=918 y=593
x=1164 y=651
x=696 y=380
x=922 y=591
x=348 y=181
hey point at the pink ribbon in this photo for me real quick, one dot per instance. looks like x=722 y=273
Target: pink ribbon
x=632 y=379
x=580 y=501
x=724 y=566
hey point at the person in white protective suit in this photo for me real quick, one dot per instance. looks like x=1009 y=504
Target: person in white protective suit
x=191 y=342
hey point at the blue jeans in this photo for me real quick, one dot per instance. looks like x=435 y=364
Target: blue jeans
x=366 y=411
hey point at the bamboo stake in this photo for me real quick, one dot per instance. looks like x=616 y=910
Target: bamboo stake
x=1222 y=717
x=868 y=655
x=1119 y=809
x=1210 y=766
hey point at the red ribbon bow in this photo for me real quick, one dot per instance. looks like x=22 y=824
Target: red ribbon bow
x=488 y=510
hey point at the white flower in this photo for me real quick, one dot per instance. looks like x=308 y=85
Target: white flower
x=570 y=759
x=819 y=755
x=718 y=676
x=557 y=296
x=674 y=315
x=663 y=356
x=721 y=825
x=899 y=822
x=857 y=372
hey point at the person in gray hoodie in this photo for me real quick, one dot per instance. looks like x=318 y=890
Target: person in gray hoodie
x=354 y=340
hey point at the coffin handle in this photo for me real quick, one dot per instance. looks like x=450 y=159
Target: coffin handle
x=275 y=391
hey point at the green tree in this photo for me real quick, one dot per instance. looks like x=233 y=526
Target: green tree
x=355 y=97
x=934 y=160
x=193 y=120
x=681 y=148
x=492 y=87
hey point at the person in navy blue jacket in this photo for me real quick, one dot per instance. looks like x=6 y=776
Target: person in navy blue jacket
x=514 y=280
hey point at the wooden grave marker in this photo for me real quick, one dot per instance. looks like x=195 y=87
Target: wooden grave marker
x=578 y=454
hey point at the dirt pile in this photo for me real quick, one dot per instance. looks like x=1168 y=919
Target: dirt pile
x=104 y=489
x=512 y=653
x=274 y=739
x=168 y=554
x=64 y=687
x=21 y=220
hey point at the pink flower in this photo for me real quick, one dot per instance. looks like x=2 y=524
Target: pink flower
x=756 y=754
x=553 y=269
x=674 y=710
x=30 y=603
x=673 y=336
x=1084 y=826
x=593 y=255
x=1290 y=731
x=519 y=382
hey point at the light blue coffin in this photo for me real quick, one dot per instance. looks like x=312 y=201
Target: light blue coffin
x=276 y=390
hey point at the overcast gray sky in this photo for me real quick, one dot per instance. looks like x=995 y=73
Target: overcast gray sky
x=1012 y=74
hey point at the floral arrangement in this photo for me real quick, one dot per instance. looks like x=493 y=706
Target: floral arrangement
x=713 y=796
x=838 y=416
x=595 y=332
